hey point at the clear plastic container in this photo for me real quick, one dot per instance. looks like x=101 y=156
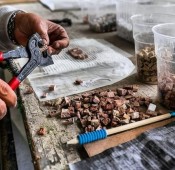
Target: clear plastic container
x=85 y=9
x=126 y=8
x=164 y=37
x=102 y=16
x=144 y=44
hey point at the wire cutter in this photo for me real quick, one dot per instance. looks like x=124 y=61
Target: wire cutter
x=37 y=54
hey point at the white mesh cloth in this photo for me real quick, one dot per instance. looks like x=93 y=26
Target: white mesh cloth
x=105 y=65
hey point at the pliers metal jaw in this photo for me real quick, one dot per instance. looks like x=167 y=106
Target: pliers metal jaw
x=37 y=54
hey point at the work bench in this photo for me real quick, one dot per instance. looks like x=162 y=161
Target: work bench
x=50 y=151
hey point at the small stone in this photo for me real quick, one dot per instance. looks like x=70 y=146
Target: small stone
x=89 y=128
x=52 y=88
x=121 y=91
x=77 y=53
x=77 y=105
x=135 y=88
x=44 y=95
x=95 y=122
x=65 y=113
x=96 y=99
x=115 y=113
x=28 y=90
x=152 y=107
x=68 y=121
x=71 y=111
x=128 y=87
x=109 y=106
x=42 y=131
x=119 y=102
x=114 y=124
x=124 y=121
x=106 y=121
x=93 y=108
x=125 y=116
x=136 y=104
x=78 y=82
x=83 y=122
x=110 y=94
x=135 y=115
x=152 y=113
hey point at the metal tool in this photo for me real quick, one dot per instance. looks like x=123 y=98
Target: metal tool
x=37 y=54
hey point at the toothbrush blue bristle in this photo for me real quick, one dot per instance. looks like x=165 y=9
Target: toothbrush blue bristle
x=92 y=136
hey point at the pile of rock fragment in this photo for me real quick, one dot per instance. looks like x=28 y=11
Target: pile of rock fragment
x=104 y=109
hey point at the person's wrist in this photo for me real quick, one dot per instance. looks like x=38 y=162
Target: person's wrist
x=11 y=26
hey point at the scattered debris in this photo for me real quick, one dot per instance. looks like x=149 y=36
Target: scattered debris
x=152 y=107
x=44 y=95
x=78 y=82
x=28 y=90
x=52 y=88
x=42 y=131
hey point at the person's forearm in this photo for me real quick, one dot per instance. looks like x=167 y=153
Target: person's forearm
x=5 y=14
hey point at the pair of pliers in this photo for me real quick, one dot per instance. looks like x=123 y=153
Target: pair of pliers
x=37 y=54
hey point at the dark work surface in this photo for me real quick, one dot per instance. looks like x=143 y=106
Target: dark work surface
x=7 y=147
x=152 y=150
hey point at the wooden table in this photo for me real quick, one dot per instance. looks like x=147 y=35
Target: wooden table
x=50 y=151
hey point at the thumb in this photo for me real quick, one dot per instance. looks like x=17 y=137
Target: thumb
x=7 y=94
x=45 y=39
x=44 y=35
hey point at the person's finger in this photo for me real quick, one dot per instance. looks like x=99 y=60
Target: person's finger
x=57 y=46
x=60 y=44
x=42 y=29
x=3 y=109
x=57 y=32
x=53 y=51
x=7 y=94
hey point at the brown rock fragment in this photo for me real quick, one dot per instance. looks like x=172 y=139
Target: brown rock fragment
x=28 y=90
x=77 y=53
x=121 y=91
x=78 y=82
x=68 y=121
x=106 y=121
x=135 y=115
x=44 y=95
x=42 y=131
x=65 y=113
x=52 y=88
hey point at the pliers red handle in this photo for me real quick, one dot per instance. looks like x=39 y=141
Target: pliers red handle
x=37 y=57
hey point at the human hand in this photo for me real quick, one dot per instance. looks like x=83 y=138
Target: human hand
x=7 y=98
x=53 y=35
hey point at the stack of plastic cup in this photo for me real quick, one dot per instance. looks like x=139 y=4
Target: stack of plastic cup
x=144 y=44
x=126 y=8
